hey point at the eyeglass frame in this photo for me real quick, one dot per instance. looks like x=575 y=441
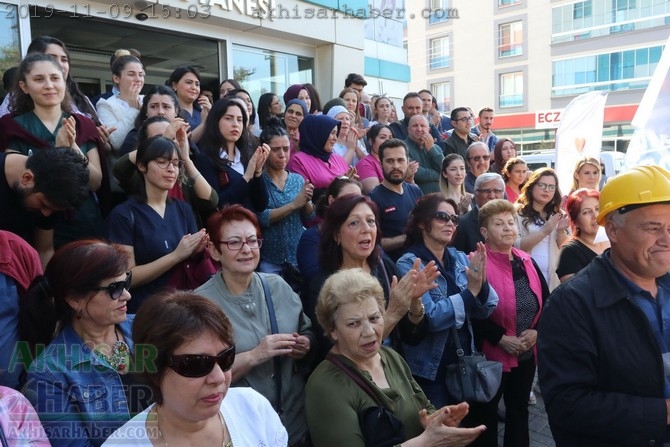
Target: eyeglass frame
x=478 y=158
x=469 y=118
x=246 y=241
x=546 y=187
x=110 y=287
x=179 y=167
x=490 y=190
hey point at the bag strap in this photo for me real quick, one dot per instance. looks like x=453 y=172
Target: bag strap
x=457 y=341
x=355 y=377
x=275 y=330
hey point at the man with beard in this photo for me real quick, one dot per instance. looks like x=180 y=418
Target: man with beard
x=34 y=189
x=394 y=197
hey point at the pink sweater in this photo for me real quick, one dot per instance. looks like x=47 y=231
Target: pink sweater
x=499 y=275
x=315 y=171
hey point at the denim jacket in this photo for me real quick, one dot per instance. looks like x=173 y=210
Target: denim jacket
x=443 y=312
x=79 y=398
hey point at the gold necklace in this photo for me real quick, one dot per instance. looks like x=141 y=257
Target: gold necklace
x=165 y=443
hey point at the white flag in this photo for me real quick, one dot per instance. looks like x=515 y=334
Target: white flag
x=579 y=134
x=651 y=141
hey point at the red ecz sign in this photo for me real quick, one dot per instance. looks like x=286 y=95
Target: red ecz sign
x=548 y=119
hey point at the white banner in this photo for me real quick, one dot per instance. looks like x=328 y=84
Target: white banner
x=651 y=141
x=579 y=134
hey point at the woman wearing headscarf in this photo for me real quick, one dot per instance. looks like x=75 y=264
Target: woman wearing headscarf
x=316 y=161
x=296 y=111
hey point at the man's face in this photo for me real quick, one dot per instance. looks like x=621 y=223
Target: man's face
x=488 y=191
x=35 y=201
x=411 y=106
x=462 y=123
x=479 y=160
x=359 y=89
x=426 y=102
x=417 y=128
x=394 y=164
x=486 y=120
x=641 y=243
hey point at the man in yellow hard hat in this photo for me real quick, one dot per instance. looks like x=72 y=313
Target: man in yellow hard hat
x=604 y=336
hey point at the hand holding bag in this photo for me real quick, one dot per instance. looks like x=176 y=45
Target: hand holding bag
x=474 y=378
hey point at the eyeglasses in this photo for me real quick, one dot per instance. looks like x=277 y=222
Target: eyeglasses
x=545 y=187
x=479 y=158
x=465 y=119
x=163 y=163
x=116 y=289
x=237 y=245
x=490 y=191
x=446 y=217
x=199 y=365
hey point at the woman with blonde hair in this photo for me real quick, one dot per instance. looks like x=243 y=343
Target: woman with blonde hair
x=586 y=174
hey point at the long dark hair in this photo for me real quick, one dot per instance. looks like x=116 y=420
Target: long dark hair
x=525 y=201
x=264 y=105
x=74 y=270
x=315 y=100
x=422 y=216
x=233 y=94
x=21 y=102
x=212 y=140
x=156 y=90
x=39 y=45
x=331 y=256
x=152 y=149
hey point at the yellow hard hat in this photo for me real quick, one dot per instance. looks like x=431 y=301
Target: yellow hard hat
x=641 y=185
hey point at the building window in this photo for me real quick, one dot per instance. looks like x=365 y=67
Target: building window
x=511 y=90
x=503 y=3
x=597 y=18
x=439 y=53
x=442 y=93
x=510 y=39
x=439 y=11
x=10 y=49
x=262 y=71
x=622 y=70
x=581 y=10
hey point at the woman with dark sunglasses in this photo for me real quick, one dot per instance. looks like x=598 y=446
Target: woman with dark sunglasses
x=462 y=293
x=271 y=358
x=83 y=385
x=187 y=345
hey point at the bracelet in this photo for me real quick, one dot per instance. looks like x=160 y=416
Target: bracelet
x=420 y=314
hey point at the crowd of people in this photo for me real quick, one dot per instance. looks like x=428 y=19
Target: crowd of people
x=186 y=270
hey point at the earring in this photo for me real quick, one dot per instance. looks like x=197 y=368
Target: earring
x=78 y=316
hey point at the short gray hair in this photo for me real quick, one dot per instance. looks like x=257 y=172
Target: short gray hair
x=488 y=177
x=474 y=145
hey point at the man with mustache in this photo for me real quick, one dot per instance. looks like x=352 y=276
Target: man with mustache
x=394 y=196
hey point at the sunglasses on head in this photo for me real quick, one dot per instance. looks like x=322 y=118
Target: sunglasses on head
x=446 y=217
x=199 y=365
x=116 y=289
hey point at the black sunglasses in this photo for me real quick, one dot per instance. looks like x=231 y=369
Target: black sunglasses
x=199 y=365
x=446 y=217
x=116 y=289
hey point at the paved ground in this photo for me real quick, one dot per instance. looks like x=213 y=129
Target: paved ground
x=540 y=435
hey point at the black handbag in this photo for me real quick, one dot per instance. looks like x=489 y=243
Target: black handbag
x=380 y=427
x=473 y=378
